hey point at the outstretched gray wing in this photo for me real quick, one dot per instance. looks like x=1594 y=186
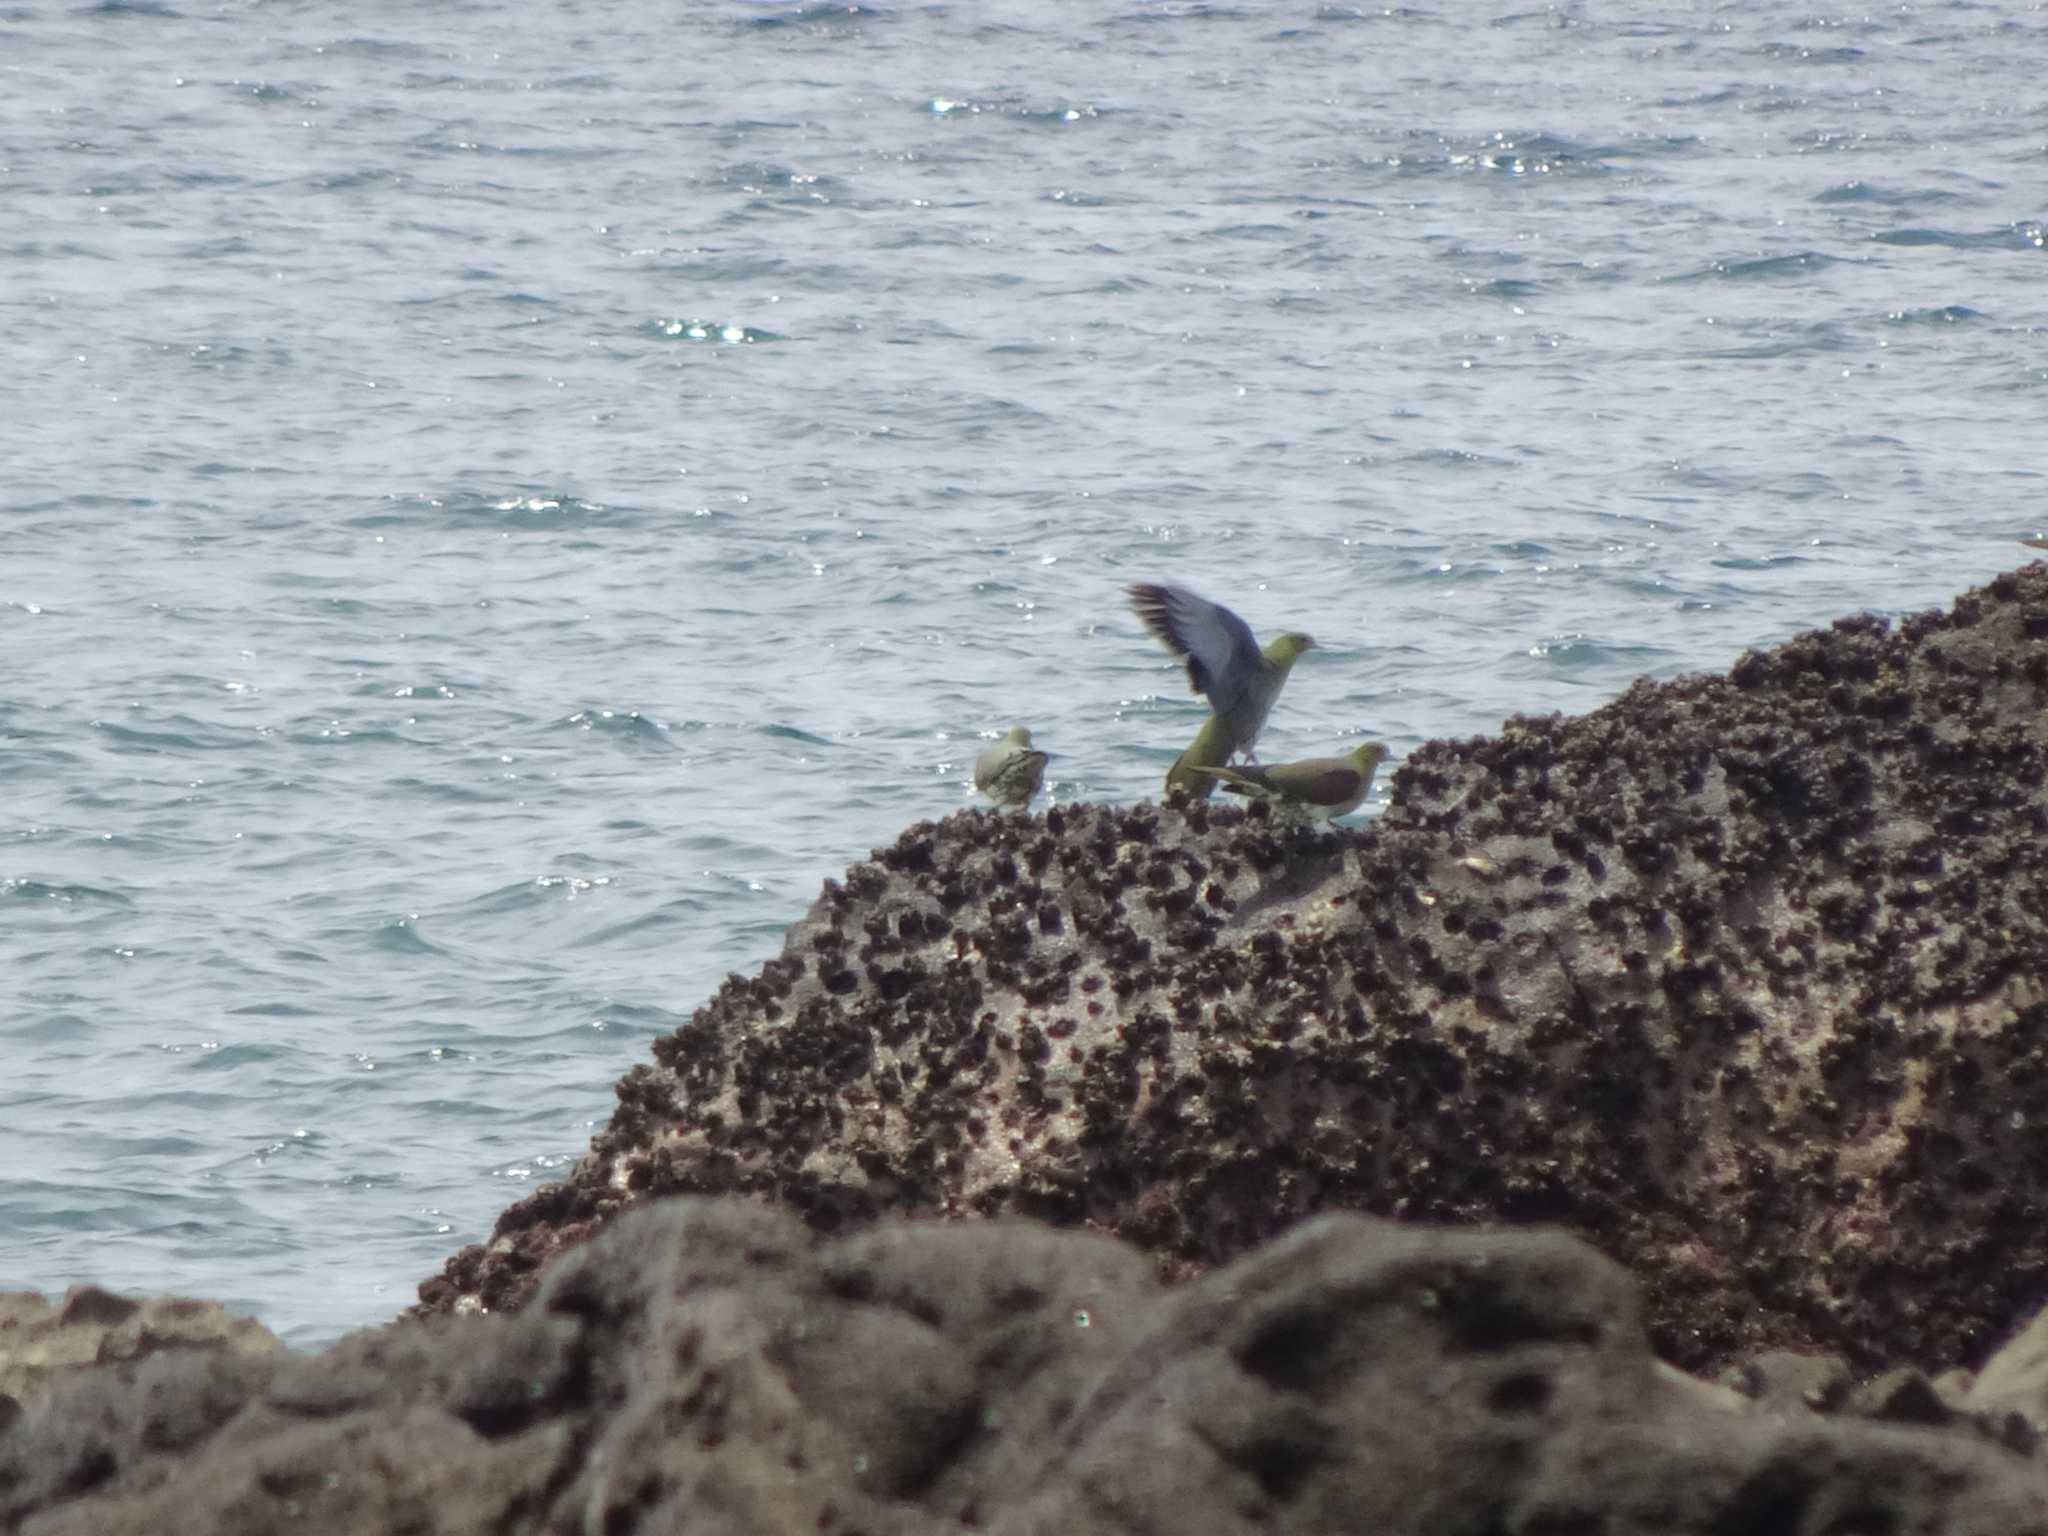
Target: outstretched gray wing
x=1223 y=659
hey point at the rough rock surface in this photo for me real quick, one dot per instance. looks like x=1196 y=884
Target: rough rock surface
x=1742 y=978
x=91 y=1326
x=717 y=1367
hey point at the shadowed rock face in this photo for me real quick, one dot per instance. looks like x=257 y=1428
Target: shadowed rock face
x=1743 y=978
x=716 y=1367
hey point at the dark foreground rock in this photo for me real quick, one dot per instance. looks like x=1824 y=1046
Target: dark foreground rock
x=1744 y=979
x=716 y=1367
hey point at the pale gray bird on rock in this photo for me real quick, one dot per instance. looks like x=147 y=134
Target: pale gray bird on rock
x=1224 y=661
x=1010 y=772
x=1321 y=788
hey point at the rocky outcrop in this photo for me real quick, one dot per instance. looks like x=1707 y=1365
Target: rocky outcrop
x=716 y=1367
x=1744 y=979
x=90 y=1326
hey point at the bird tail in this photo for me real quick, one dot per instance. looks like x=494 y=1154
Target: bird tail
x=1228 y=775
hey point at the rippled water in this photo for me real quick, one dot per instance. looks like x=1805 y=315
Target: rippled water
x=499 y=501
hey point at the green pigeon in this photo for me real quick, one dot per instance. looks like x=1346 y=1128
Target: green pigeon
x=1010 y=772
x=1321 y=788
x=1209 y=749
x=1224 y=661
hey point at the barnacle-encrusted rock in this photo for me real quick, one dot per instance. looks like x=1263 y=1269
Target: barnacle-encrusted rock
x=1742 y=978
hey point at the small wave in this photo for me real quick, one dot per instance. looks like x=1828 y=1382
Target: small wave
x=1820 y=337
x=678 y=917
x=230 y=1057
x=1880 y=196
x=400 y=937
x=25 y=889
x=514 y=510
x=1651 y=145
x=952 y=106
x=1758 y=562
x=821 y=16
x=782 y=182
x=791 y=733
x=386 y=49
x=1954 y=239
x=1182 y=10
x=1539 y=154
x=1576 y=651
x=1804 y=55
x=442 y=792
x=1447 y=572
x=1760 y=269
x=1946 y=314
x=181 y=733
x=427 y=691
x=530 y=895
x=643 y=1018
x=1454 y=458
x=713 y=331
x=1569 y=652
x=624 y=725
x=1262 y=232
x=332 y=733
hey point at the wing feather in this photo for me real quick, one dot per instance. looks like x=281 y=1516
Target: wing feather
x=1223 y=659
x=1333 y=786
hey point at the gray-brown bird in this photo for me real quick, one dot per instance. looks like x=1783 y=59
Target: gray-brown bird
x=1321 y=788
x=1010 y=772
x=1224 y=661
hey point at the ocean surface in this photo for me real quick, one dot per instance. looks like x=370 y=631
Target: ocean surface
x=497 y=502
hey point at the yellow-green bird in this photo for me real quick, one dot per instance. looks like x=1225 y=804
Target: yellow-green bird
x=1209 y=749
x=1224 y=661
x=1010 y=772
x=1321 y=788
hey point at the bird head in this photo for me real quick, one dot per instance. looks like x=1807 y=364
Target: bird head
x=1020 y=736
x=1369 y=754
x=1281 y=650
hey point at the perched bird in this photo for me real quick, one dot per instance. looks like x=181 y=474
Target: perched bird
x=1010 y=772
x=1209 y=749
x=1319 y=787
x=1224 y=661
